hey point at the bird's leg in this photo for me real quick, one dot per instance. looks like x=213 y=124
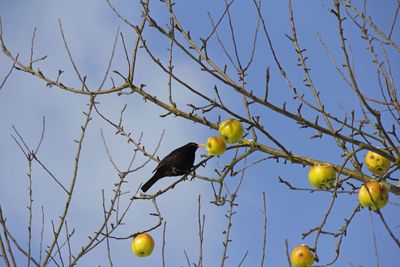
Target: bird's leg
x=194 y=175
x=174 y=170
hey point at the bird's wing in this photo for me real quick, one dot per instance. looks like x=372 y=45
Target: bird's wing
x=166 y=162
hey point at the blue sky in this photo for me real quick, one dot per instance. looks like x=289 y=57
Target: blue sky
x=90 y=28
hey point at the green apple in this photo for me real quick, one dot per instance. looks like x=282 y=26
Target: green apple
x=376 y=163
x=322 y=176
x=215 y=146
x=378 y=193
x=142 y=245
x=231 y=131
x=302 y=256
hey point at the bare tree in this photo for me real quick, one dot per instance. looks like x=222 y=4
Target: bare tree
x=371 y=125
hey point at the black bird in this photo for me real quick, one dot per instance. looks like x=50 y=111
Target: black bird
x=178 y=162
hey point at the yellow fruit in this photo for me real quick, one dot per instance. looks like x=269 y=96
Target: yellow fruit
x=142 y=245
x=231 y=131
x=302 y=256
x=378 y=192
x=322 y=176
x=215 y=146
x=376 y=163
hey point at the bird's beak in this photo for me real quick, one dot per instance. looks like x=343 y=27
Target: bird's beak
x=199 y=145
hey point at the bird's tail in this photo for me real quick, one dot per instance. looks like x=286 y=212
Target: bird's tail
x=150 y=182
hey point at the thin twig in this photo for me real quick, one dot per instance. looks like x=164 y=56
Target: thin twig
x=8 y=74
x=163 y=245
x=109 y=61
x=107 y=232
x=265 y=230
x=71 y=58
x=374 y=238
x=201 y=232
x=287 y=252
x=74 y=179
